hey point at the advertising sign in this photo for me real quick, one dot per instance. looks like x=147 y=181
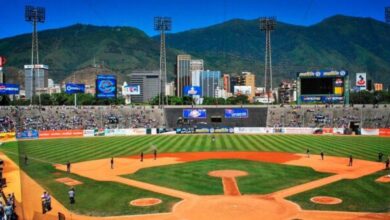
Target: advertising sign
x=72 y=88
x=131 y=90
x=184 y=130
x=369 y=131
x=242 y=90
x=89 y=133
x=236 y=113
x=384 y=131
x=321 y=74
x=194 y=113
x=28 y=134
x=192 y=90
x=7 y=136
x=361 y=81
x=106 y=86
x=117 y=132
x=322 y=98
x=253 y=130
x=9 y=89
x=2 y=61
x=61 y=133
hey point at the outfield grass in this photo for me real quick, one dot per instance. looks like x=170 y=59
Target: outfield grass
x=44 y=153
x=363 y=194
x=81 y=149
x=193 y=177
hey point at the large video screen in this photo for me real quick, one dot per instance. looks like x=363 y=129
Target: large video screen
x=194 y=113
x=106 y=86
x=317 y=86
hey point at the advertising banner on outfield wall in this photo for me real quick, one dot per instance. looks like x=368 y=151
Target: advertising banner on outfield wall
x=7 y=136
x=117 y=132
x=137 y=131
x=384 y=131
x=61 y=133
x=89 y=133
x=338 y=130
x=28 y=134
x=368 y=131
x=253 y=130
x=299 y=130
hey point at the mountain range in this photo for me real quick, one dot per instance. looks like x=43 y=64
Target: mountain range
x=338 y=42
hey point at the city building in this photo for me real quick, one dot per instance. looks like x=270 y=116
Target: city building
x=378 y=86
x=170 y=89
x=1 y=75
x=149 y=85
x=249 y=79
x=196 y=65
x=286 y=92
x=226 y=82
x=234 y=81
x=183 y=73
x=209 y=81
x=35 y=79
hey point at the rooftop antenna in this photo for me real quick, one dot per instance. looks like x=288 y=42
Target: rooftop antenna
x=162 y=24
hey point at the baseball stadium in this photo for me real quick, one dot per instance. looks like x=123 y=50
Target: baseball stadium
x=267 y=163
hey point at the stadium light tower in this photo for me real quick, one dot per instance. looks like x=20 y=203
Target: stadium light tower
x=162 y=24
x=34 y=15
x=268 y=24
x=387 y=14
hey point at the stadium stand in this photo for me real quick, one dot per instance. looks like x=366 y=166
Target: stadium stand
x=90 y=117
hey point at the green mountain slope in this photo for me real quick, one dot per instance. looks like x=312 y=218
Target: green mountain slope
x=65 y=50
x=339 y=42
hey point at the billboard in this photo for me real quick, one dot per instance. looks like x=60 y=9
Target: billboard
x=9 y=89
x=361 y=81
x=236 y=113
x=28 y=134
x=61 y=133
x=105 y=86
x=194 y=113
x=192 y=90
x=242 y=90
x=131 y=90
x=72 y=88
x=322 y=98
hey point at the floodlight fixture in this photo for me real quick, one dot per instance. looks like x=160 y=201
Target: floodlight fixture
x=267 y=23
x=162 y=23
x=35 y=14
x=387 y=14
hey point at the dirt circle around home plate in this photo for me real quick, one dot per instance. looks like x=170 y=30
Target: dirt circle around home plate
x=326 y=200
x=145 y=202
x=227 y=173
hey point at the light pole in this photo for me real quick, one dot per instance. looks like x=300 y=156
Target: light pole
x=162 y=24
x=34 y=15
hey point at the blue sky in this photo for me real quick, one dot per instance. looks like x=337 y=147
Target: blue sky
x=185 y=14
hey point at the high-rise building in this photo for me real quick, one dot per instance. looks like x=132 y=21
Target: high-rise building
x=249 y=79
x=183 y=73
x=1 y=75
x=195 y=77
x=35 y=79
x=149 y=85
x=234 y=81
x=226 y=82
x=209 y=82
x=197 y=65
x=170 y=89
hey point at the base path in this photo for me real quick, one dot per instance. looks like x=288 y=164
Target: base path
x=194 y=207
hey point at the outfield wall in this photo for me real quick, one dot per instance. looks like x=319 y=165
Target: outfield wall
x=36 y=134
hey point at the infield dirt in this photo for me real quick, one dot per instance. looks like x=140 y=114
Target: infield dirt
x=271 y=206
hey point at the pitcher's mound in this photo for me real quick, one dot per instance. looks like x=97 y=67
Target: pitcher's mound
x=326 y=200
x=69 y=181
x=145 y=202
x=227 y=173
x=384 y=179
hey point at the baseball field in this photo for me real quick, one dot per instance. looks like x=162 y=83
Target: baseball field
x=235 y=176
